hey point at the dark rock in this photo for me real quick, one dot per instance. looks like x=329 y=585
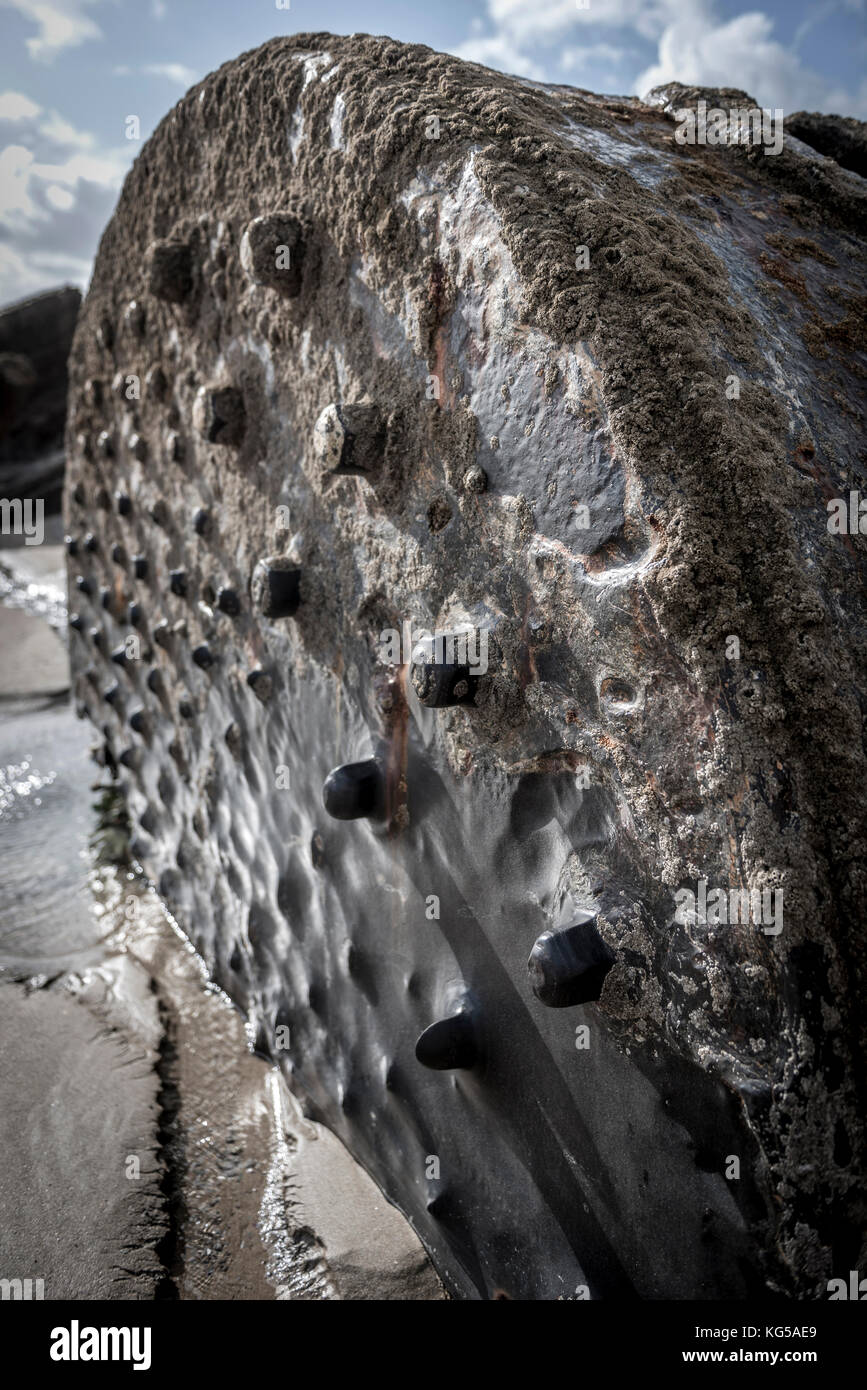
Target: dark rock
x=35 y=338
x=837 y=137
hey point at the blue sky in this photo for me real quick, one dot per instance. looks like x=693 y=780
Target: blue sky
x=71 y=71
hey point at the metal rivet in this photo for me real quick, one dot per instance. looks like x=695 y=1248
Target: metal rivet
x=219 y=414
x=131 y=758
x=105 y=444
x=79 y=494
x=93 y=393
x=317 y=998
x=439 y=1206
x=349 y=440
x=83 y=585
x=170 y=270
x=71 y=545
x=105 y=334
x=353 y=791
x=140 y=566
x=176 y=753
x=120 y=656
x=112 y=695
x=156 y=384
x=437 y=683
x=124 y=503
x=159 y=513
x=176 y=447
x=186 y=709
x=105 y=597
x=96 y=636
x=201 y=521
x=272 y=252
x=91 y=542
x=138 y=447
x=163 y=635
x=134 y=318
x=228 y=602
x=449 y=1044
x=276 y=587
x=135 y=614
x=203 y=656
x=155 y=681
x=138 y=721
x=439 y=514
x=118 y=554
x=261 y=685
x=178 y=582
x=568 y=966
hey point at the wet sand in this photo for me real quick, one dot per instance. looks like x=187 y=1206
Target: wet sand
x=145 y=1151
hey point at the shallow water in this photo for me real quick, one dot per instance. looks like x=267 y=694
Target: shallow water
x=227 y=1126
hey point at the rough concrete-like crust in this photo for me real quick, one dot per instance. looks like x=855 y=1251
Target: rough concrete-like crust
x=454 y=259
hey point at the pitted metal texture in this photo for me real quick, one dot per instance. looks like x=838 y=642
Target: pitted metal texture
x=444 y=896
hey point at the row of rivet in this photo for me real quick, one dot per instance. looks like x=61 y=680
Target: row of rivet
x=566 y=966
x=276 y=593
x=272 y=253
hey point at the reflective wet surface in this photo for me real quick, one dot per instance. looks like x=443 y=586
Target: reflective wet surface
x=239 y=1172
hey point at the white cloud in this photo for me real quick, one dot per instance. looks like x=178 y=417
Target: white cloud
x=175 y=72
x=16 y=163
x=22 y=275
x=23 y=181
x=499 y=52
x=743 y=53
x=692 y=44
x=62 y=24
x=532 y=19
x=54 y=127
x=59 y=198
x=585 y=54
x=57 y=191
x=522 y=25
x=819 y=14
x=14 y=106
